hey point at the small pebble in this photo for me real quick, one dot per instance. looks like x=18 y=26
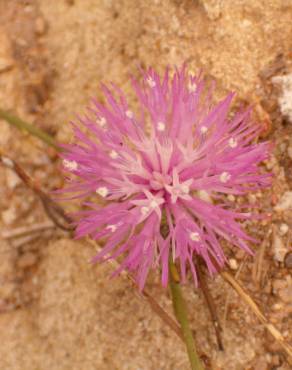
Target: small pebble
x=9 y=216
x=277 y=307
x=40 y=26
x=279 y=248
x=12 y=180
x=233 y=264
x=286 y=294
x=27 y=260
x=285 y=202
x=288 y=260
x=283 y=229
x=285 y=101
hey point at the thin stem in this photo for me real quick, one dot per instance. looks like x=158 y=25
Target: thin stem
x=23 y=125
x=181 y=315
x=211 y=305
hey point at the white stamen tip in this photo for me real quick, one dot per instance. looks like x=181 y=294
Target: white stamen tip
x=224 y=177
x=204 y=129
x=113 y=154
x=185 y=189
x=153 y=204
x=129 y=114
x=194 y=236
x=192 y=87
x=101 y=121
x=144 y=210
x=151 y=82
x=112 y=228
x=232 y=143
x=70 y=165
x=160 y=126
x=102 y=191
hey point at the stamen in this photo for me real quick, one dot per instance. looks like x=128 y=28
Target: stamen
x=204 y=129
x=102 y=191
x=101 y=121
x=224 y=177
x=185 y=189
x=113 y=154
x=232 y=143
x=144 y=210
x=112 y=228
x=153 y=204
x=70 y=165
x=160 y=126
x=151 y=82
x=129 y=114
x=192 y=87
x=194 y=236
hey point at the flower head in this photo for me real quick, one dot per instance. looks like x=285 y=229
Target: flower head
x=160 y=175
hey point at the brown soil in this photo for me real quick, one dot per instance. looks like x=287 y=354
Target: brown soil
x=58 y=311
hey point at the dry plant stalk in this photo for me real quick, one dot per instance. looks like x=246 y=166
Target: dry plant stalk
x=211 y=306
x=27 y=230
x=270 y=327
x=257 y=271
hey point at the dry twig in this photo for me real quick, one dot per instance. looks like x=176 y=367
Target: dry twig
x=211 y=305
x=270 y=327
x=257 y=270
x=54 y=211
x=27 y=230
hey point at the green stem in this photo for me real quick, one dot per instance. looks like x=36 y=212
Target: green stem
x=180 y=311
x=22 y=125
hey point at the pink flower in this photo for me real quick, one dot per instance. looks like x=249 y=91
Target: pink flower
x=160 y=175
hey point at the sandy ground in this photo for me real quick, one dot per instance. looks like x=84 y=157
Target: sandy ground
x=58 y=311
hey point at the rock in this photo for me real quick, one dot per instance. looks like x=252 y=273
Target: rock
x=12 y=180
x=285 y=100
x=233 y=264
x=212 y=8
x=27 y=260
x=9 y=216
x=286 y=294
x=288 y=260
x=283 y=229
x=285 y=202
x=280 y=250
